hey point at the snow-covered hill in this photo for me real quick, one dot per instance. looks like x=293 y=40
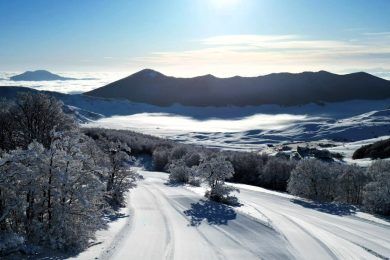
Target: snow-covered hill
x=250 y=128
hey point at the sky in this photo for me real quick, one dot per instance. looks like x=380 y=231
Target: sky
x=196 y=37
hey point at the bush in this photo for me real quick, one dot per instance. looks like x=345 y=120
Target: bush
x=215 y=170
x=351 y=180
x=192 y=159
x=247 y=166
x=276 y=173
x=160 y=158
x=376 y=195
x=178 y=153
x=312 y=179
x=179 y=172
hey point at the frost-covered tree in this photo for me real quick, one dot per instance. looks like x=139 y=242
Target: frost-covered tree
x=51 y=196
x=120 y=177
x=276 y=172
x=312 y=179
x=192 y=159
x=350 y=182
x=376 y=195
x=178 y=153
x=160 y=158
x=74 y=207
x=215 y=171
x=31 y=116
x=7 y=126
x=179 y=172
x=35 y=116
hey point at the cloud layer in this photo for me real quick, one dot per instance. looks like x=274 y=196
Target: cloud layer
x=229 y=55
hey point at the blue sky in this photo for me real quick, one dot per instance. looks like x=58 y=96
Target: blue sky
x=193 y=37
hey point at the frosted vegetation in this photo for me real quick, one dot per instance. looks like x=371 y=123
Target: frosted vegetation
x=56 y=184
x=323 y=181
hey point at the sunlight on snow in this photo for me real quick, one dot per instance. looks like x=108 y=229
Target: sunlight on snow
x=174 y=123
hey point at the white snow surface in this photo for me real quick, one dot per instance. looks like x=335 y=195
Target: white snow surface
x=177 y=222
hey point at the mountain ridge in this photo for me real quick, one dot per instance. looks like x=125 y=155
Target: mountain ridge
x=152 y=87
x=38 y=75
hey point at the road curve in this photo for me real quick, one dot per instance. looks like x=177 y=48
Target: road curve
x=172 y=222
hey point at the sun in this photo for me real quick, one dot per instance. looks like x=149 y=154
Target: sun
x=224 y=4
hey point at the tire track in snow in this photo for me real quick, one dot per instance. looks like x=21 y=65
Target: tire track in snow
x=179 y=208
x=169 y=235
x=208 y=241
x=302 y=229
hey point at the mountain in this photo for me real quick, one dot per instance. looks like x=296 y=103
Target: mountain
x=80 y=115
x=152 y=87
x=38 y=75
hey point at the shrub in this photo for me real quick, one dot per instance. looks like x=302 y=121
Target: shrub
x=351 y=180
x=312 y=179
x=215 y=171
x=160 y=158
x=179 y=172
x=376 y=195
x=276 y=173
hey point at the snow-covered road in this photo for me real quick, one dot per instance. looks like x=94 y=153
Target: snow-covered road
x=173 y=222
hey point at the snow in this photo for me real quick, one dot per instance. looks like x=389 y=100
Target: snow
x=347 y=150
x=106 y=239
x=176 y=222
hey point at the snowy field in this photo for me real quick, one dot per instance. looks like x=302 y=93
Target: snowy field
x=249 y=128
x=175 y=222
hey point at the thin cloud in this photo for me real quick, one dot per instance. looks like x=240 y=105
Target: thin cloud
x=229 y=55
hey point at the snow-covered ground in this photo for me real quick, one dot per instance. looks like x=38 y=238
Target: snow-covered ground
x=347 y=150
x=250 y=128
x=176 y=222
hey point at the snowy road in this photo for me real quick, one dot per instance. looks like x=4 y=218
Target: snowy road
x=171 y=222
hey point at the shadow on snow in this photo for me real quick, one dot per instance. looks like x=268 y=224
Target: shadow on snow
x=329 y=208
x=212 y=212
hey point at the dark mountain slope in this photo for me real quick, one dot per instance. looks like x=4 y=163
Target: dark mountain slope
x=148 y=86
x=38 y=75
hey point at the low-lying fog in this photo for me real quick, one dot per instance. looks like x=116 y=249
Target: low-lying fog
x=164 y=123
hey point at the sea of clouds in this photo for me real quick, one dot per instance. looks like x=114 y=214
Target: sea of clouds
x=86 y=81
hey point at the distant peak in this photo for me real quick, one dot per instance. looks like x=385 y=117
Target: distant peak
x=148 y=73
x=38 y=75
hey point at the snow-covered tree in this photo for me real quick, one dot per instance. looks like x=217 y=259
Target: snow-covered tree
x=376 y=195
x=35 y=116
x=179 y=172
x=74 y=193
x=51 y=196
x=160 y=158
x=312 y=179
x=215 y=171
x=351 y=180
x=120 y=177
x=276 y=172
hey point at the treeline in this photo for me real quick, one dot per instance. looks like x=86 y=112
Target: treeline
x=327 y=182
x=56 y=183
x=314 y=179
x=377 y=150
